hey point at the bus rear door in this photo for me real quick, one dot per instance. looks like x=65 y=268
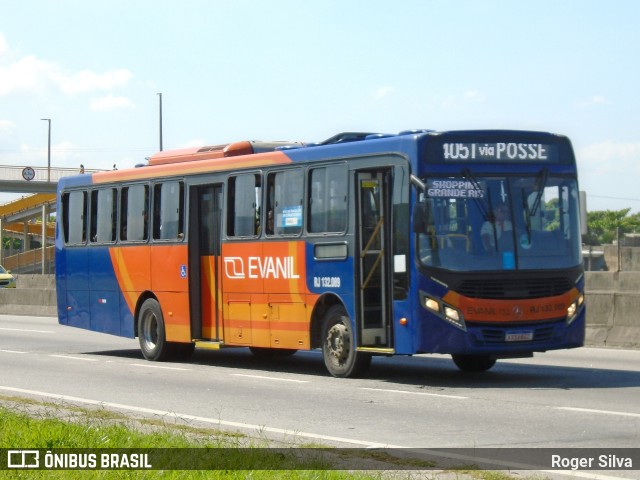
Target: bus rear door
x=205 y=225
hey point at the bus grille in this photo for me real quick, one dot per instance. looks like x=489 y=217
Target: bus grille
x=514 y=288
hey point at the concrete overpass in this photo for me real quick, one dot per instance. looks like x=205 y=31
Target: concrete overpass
x=23 y=218
x=16 y=179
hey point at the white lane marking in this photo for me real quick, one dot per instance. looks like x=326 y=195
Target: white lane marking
x=26 y=330
x=604 y=412
x=71 y=357
x=214 y=421
x=11 y=351
x=268 y=378
x=414 y=393
x=144 y=365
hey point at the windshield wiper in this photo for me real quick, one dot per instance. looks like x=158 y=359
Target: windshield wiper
x=482 y=205
x=541 y=182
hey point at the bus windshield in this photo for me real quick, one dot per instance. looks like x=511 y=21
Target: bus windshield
x=500 y=223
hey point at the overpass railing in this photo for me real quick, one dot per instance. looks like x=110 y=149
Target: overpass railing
x=40 y=174
x=32 y=261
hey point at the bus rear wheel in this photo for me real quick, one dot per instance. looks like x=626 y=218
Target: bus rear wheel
x=474 y=363
x=151 y=332
x=338 y=349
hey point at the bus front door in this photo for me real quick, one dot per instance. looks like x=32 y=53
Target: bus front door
x=373 y=250
x=205 y=223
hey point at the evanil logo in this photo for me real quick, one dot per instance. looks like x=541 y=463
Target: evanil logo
x=260 y=267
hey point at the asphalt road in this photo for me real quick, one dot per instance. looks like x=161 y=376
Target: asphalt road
x=585 y=397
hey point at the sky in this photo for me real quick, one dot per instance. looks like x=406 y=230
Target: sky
x=232 y=70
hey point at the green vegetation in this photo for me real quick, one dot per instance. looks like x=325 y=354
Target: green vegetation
x=14 y=243
x=39 y=428
x=31 y=424
x=54 y=427
x=602 y=225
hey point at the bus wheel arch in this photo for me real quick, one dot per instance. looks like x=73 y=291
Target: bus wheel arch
x=141 y=299
x=338 y=345
x=151 y=332
x=324 y=303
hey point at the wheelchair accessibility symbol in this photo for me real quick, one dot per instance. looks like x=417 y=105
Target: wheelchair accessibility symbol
x=183 y=271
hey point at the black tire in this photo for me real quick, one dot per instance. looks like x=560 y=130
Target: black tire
x=151 y=332
x=474 y=363
x=338 y=350
x=272 y=352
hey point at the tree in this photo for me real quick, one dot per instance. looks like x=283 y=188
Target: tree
x=602 y=225
x=14 y=243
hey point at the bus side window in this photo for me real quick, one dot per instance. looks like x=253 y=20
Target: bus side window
x=123 y=213
x=103 y=215
x=168 y=211
x=93 y=223
x=245 y=193
x=134 y=217
x=285 y=202
x=75 y=217
x=328 y=199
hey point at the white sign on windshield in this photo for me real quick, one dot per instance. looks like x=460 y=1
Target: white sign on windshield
x=454 y=189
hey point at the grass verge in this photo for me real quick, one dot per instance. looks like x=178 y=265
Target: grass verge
x=31 y=424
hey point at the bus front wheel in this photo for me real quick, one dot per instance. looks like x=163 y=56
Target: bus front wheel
x=151 y=332
x=338 y=348
x=473 y=363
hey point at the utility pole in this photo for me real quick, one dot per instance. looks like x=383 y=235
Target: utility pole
x=44 y=207
x=48 y=149
x=160 y=97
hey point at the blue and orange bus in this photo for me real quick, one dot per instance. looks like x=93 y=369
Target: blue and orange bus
x=463 y=242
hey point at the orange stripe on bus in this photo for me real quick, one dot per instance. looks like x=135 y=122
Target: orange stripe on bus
x=202 y=166
x=525 y=310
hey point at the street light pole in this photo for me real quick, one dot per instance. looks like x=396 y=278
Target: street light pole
x=160 y=98
x=44 y=207
x=48 y=149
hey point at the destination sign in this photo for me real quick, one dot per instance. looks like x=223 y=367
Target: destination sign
x=500 y=152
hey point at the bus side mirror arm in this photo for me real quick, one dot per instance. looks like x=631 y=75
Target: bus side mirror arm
x=418 y=183
x=420 y=209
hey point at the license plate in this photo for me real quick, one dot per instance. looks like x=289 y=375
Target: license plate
x=518 y=336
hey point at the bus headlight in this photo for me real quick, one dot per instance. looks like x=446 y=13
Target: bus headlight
x=452 y=314
x=574 y=308
x=444 y=311
x=432 y=304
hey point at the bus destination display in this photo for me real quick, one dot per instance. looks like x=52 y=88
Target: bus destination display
x=537 y=152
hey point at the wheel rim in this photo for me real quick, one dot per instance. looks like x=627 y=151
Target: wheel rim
x=150 y=331
x=338 y=344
